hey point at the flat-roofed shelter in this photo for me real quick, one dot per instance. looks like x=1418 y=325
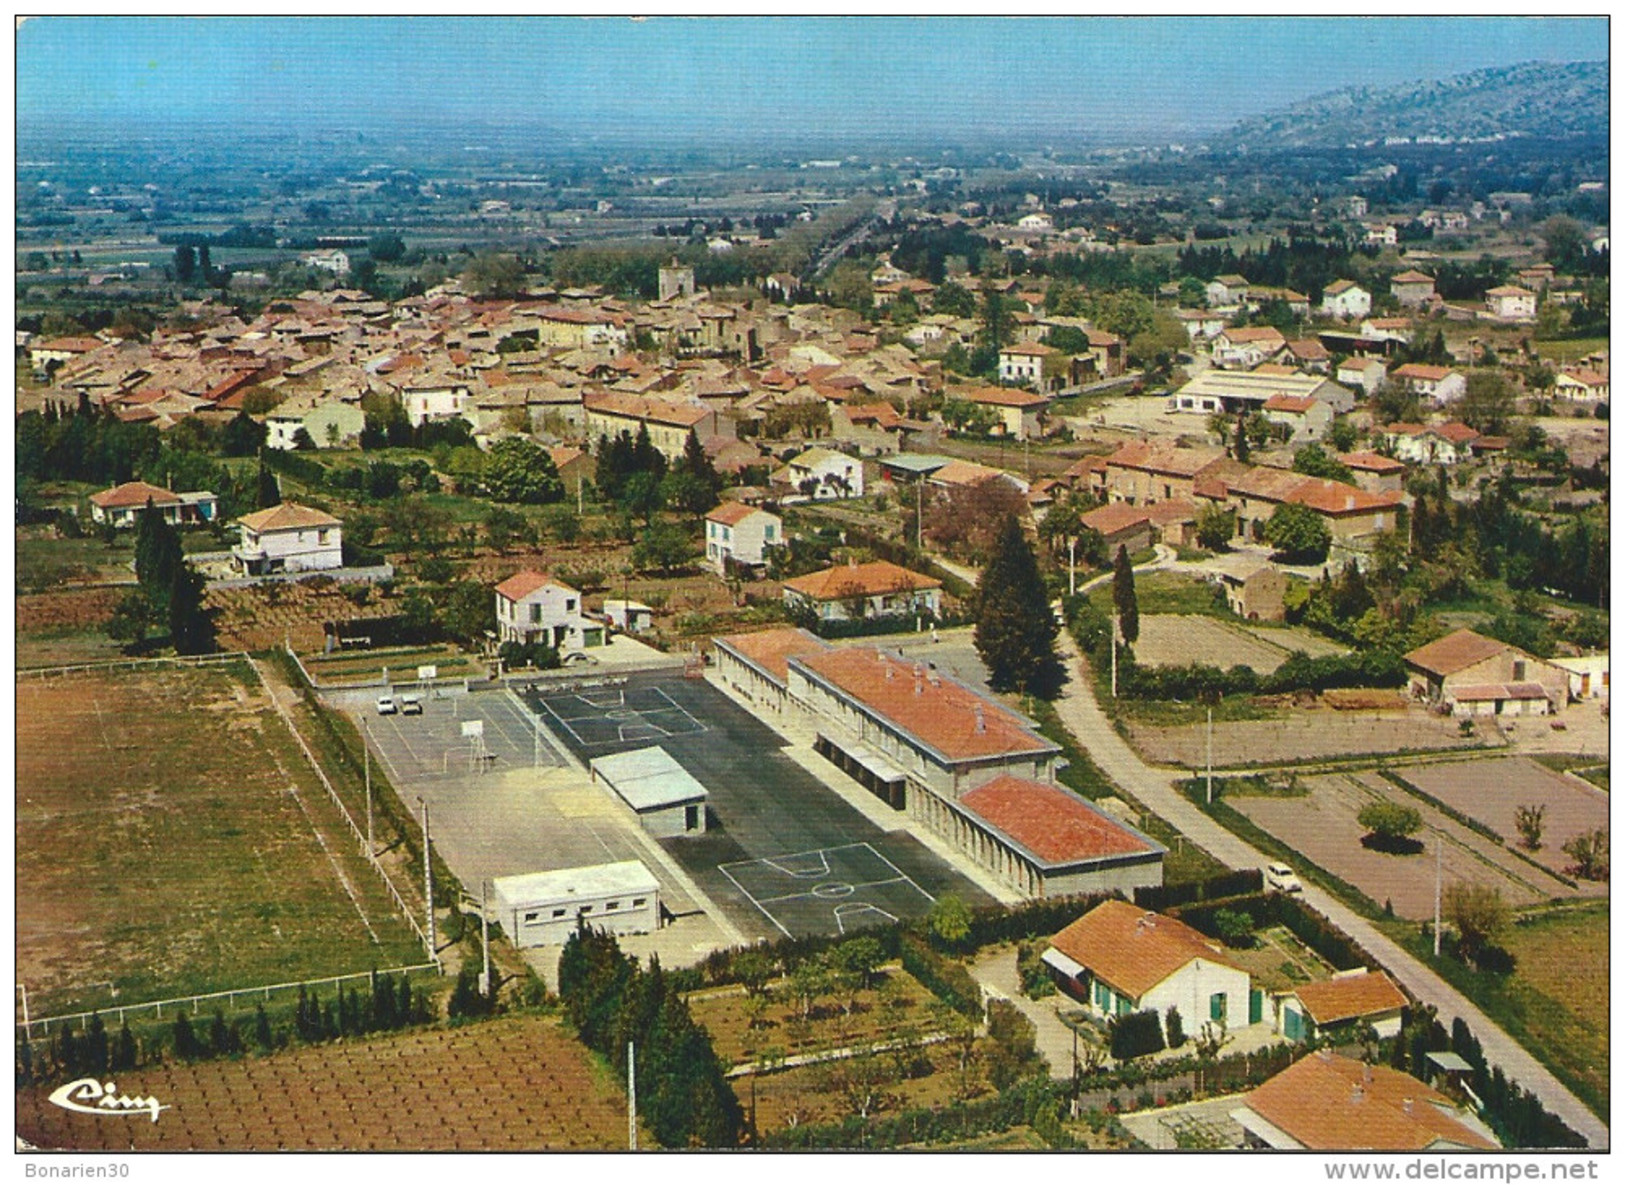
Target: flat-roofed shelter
x=543 y=908
x=668 y=800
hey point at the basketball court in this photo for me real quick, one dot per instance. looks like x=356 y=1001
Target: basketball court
x=828 y=890
x=456 y=736
x=606 y=715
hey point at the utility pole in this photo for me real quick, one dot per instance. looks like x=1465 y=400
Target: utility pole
x=1114 y=656
x=485 y=943
x=28 y=1028
x=632 y=1095
x=1071 y=566
x=1210 y=755
x=428 y=878
x=366 y=761
x=1438 y=885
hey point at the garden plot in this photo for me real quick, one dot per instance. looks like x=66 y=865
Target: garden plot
x=1168 y=641
x=1304 y=734
x=1491 y=791
x=1322 y=825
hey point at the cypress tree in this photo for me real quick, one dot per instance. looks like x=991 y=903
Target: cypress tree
x=191 y=629
x=1128 y=605
x=267 y=491
x=1243 y=450
x=124 y=1054
x=186 y=1043
x=1015 y=629
x=95 y=1048
x=262 y=1030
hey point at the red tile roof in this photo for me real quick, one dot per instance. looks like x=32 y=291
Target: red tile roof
x=1115 y=518
x=771 y=650
x=1337 y=497
x=1371 y=462
x=636 y=407
x=944 y=716
x=1055 y=826
x=1329 y=1103
x=1133 y=949
x=521 y=584
x=289 y=516
x=871 y=580
x=1259 y=333
x=134 y=493
x=1455 y=652
x=1345 y=997
x=731 y=514
x=1003 y=397
x=1422 y=372
x=1293 y=404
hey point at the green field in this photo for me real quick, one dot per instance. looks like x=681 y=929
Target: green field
x=162 y=850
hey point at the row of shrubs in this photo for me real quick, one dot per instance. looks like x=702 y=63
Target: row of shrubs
x=390 y=1003
x=1038 y=1102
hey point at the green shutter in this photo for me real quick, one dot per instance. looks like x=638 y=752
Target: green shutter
x=1255 y=1006
x=1215 y=1006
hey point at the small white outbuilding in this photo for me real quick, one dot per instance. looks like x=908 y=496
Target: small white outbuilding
x=543 y=908
x=667 y=799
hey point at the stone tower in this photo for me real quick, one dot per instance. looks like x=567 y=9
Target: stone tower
x=676 y=280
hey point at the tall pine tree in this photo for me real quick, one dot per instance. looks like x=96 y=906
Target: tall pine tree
x=1128 y=605
x=267 y=491
x=191 y=629
x=1243 y=450
x=1015 y=629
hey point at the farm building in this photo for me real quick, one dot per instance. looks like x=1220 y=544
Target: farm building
x=667 y=799
x=1044 y=841
x=1254 y=588
x=1328 y=1103
x=120 y=505
x=1588 y=675
x=1473 y=675
x=1121 y=524
x=1341 y=1006
x=634 y=617
x=1119 y=958
x=542 y=908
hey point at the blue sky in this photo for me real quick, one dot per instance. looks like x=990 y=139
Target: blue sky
x=1102 y=78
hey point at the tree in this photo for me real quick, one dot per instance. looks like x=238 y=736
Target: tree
x=386 y=247
x=492 y=276
x=1389 y=826
x=949 y=921
x=519 y=470
x=1530 y=820
x=243 y=436
x=1235 y=926
x=133 y=618
x=1589 y=851
x=1298 y=534
x=1015 y=629
x=1488 y=403
x=1243 y=450
x=1344 y=435
x=809 y=982
x=267 y=491
x=1215 y=527
x=191 y=629
x=1157 y=346
x=1313 y=460
x=858 y=957
x=1174 y=1025
x=185 y=264
x=1566 y=243
x=470 y=610
x=663 y=548
x=1014 y=1039
x=1479 y=914
x=503 y=526
x=1123 y=596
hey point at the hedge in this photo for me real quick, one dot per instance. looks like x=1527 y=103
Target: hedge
x=944 y=978
x=1136 y=1034
x=1014 y=1106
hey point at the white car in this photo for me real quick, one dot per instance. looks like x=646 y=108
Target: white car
x=411 y=704
x=386 y=705
x=1282 y=879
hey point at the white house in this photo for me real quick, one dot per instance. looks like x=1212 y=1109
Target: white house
x=1345 y=299
x=822 y=474
x=337 y=262
x=435 y=401
x=1437 y=384
x=543 y=908
x=121 y=505
x=1412 y=288
x=1246 y=348
x=1226 y=291
x=1381 y=234
x=1119 y=958
x=632 y=617
x=1023 y=364
x=1364 y=373
x=1018 y=414
x=534 y=607
x=1306 y=418
x=329 y=424
x=1583 y=386
x=1428 y=444
x=875 y=589
x=1588 y=675
x=740 y=533
x=1038 y=221
x=288 y=538
x=1511 y=303
x=667 y=799
x=1341 y=1006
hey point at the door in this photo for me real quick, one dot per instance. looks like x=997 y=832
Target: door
x=1255 y=1006
x=1294 y=1025
x=691 y=818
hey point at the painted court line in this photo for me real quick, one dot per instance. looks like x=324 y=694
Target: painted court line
x=723 y=869
x=848 y=886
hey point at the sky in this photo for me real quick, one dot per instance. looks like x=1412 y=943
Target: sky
x=1097 y=79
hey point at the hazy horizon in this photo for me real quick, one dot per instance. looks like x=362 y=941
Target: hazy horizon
x=726 y=80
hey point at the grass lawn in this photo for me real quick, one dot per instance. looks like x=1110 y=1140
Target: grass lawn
x=162 y=852
x=355 y=666
x=1167 y=592
x=1570 y=351
x=65 y=646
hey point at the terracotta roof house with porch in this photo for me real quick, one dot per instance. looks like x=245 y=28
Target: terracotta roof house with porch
x=288 y=538
x=535 y=607
x=1119 y=958
x=1328 y=1103
x=875 y=589
x=1342 y=1006
x=121 y=505
x=1477 y=676
x=1121 y=524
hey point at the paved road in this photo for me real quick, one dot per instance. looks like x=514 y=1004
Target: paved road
x=1154 y=787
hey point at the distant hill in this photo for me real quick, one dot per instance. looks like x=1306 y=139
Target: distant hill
x=1550 y=99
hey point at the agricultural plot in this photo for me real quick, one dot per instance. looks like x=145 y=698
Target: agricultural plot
x=172 y=840
x=1167 y=641
x=1491 y=791
x=65 y=626
x=426 y=1091
x=1323 y=826
x=1307 y=734
x=361 y=667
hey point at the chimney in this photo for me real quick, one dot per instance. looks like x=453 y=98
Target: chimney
x=1357 y=1095
x=1408 y=1104
x=1348 y=501
x=1365 y=1072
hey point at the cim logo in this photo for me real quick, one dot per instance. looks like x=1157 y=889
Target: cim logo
x=90 y=1097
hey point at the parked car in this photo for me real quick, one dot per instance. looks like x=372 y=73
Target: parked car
x=386 y=705
x=1282 y=879
x=411 y=704
x=577 y=658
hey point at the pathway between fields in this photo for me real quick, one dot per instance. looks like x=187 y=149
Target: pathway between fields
x=1082 y=715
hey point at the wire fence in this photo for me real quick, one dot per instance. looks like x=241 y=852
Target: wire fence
x=121 y=1012
x=128 y=664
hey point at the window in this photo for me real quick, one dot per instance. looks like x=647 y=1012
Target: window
x=558 y=913
x=639 y=902
x=321 y=537
x=767 y=532
x=1216 y=1006
x=613 y=905
x=586 y=909
x=531 y=917
x=691 y=818
x=1519 y=667
x=569 y=604
x=535 y=614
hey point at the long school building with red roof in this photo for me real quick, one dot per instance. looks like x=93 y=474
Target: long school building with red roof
x=958 y=762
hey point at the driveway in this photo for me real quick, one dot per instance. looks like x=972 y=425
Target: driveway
x=1082 y=715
